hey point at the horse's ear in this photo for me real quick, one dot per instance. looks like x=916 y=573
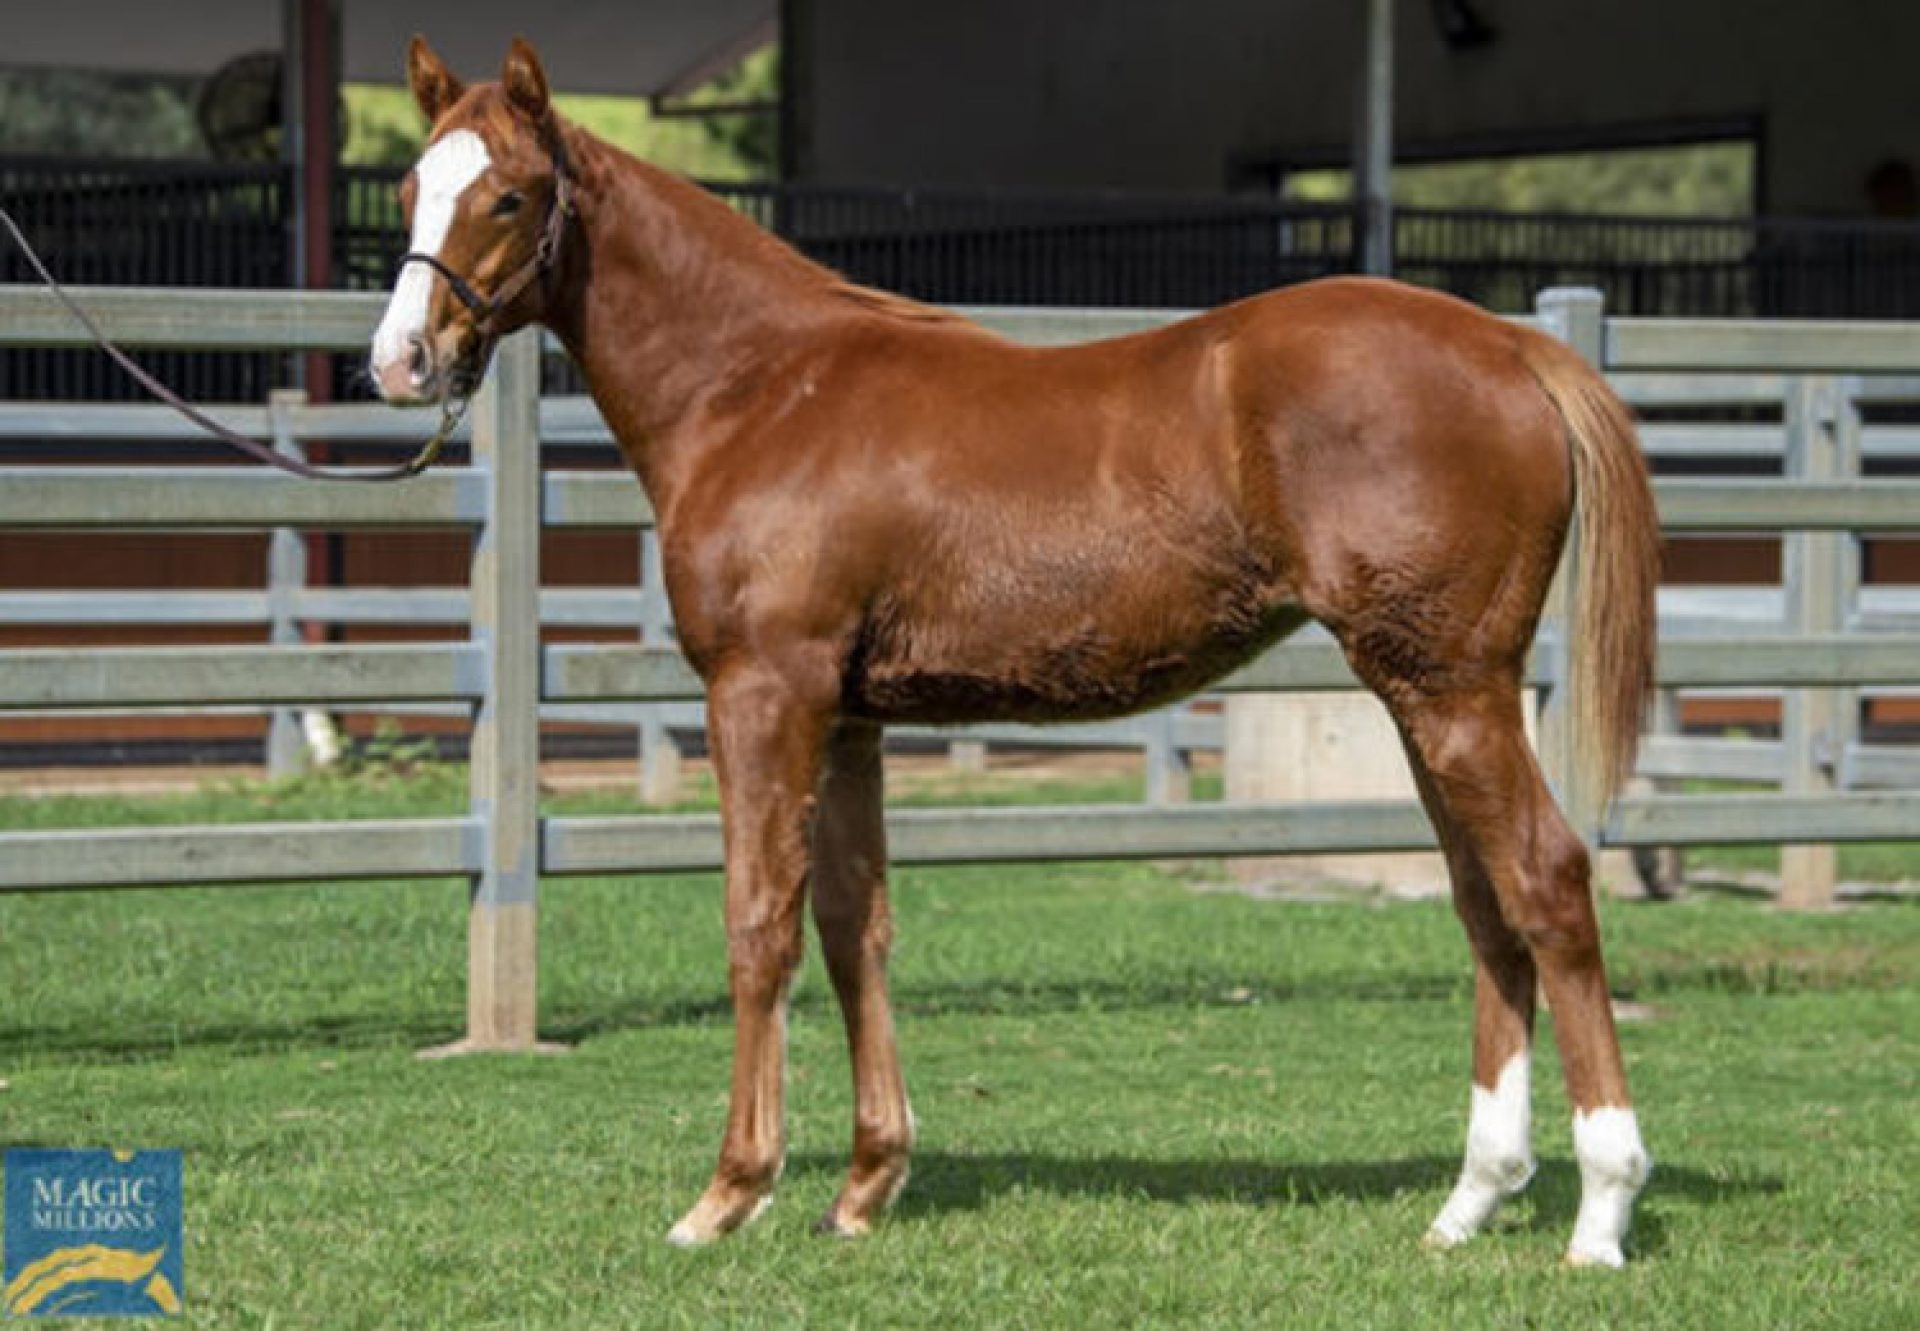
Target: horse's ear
x=435 y=87
x=525 y=81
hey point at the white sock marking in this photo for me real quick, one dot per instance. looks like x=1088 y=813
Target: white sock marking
x=1613 y=1167
x=1499 y=1158
x=442 y=175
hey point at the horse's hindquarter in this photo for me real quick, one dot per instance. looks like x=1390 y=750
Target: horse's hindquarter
x=1421 y=469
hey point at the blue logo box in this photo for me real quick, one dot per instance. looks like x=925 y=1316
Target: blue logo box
x=91 y=1234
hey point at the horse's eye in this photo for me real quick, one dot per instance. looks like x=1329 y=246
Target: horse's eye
x=507 y=204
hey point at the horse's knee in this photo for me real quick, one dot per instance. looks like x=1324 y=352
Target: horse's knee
x=762 y=957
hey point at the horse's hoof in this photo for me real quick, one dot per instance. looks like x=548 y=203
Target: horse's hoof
x=836 y=1226
x=1437 y=1239
x=1606 y=1257
x=684 y=1235
x=710 y=1221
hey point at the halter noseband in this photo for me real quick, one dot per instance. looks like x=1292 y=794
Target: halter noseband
x=485 y=309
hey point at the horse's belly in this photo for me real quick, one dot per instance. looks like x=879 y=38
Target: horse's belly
x=1053 y=666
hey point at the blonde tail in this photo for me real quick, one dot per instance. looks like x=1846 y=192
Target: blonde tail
x=1614 y=620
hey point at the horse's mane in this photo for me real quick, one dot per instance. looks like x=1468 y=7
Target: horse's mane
x=771 y=249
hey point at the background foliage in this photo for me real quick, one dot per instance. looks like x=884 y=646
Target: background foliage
x=1701 y=180
x=80 y=114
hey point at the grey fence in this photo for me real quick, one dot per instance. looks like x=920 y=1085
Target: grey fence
x=502 y=674
x=286 y=603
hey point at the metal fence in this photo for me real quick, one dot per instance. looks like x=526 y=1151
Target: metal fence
x=199 y=224
x=176 y=224
x=502 y=673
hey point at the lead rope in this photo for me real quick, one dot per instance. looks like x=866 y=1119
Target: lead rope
x=451 y=411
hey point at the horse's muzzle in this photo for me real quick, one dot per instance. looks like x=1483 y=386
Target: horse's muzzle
x=420 y=377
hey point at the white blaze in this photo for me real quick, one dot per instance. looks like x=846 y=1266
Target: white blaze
x=441 y=176
x=1499 y=1154
x=1613 y=1166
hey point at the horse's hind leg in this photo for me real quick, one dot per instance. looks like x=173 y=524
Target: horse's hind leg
x=1473 y=751
x=1499 y=1154
x=849 y=884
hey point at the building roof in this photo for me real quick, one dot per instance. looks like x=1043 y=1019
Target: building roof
x=629 y=47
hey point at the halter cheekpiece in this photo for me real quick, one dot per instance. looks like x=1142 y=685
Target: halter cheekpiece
x=486 y=309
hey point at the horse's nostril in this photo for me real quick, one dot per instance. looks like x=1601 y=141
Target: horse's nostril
x=417 y=358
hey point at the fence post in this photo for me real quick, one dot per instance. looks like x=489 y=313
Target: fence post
x=1169 y=767
x=504 y=791
x=286 y=577
x=659 y=755
x=967 y=757
x=1316 y=747
x=1577 y=316
x=1820 y=571
x=1662 y=869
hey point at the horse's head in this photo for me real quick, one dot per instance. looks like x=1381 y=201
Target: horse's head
x=486 y=205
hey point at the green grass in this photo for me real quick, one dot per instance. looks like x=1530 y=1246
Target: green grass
x=1140 y=1104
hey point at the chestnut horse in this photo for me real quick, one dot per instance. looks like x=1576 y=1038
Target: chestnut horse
x=874 y=511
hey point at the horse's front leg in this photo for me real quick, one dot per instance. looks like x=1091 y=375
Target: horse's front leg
x=768 y=737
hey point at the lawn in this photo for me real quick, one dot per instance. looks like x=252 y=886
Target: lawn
x=1140 y=1104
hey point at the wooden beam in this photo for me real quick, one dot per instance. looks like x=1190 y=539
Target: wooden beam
x=503 y=921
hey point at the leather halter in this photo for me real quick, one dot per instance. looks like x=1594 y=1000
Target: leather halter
x=486 y=309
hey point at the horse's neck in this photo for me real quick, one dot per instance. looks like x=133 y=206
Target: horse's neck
x=672 y=298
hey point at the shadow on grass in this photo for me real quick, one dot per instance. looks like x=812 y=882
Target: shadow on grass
x=161 y=1034
x=994 y=998
x=136 y=1044
x=952 y=1182
x=1719 y=888
x=1555 y=1197
x=947 y=1181
x=1765 y=890
x=571 y=1024
x=155 y=1032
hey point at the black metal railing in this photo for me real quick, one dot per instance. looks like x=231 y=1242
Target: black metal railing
x=125 y=223
x=1698 y=267
x=1013 y=247
x=195 y=224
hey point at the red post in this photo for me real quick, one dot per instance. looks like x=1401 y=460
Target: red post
x=312 y=93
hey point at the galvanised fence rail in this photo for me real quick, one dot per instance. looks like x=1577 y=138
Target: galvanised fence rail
x=502 y=673
x=287 y=603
